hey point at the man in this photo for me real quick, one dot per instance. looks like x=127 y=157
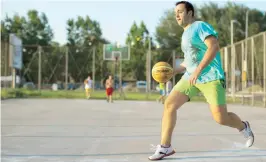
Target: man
x=109 y=88
x=88 y=86
x=162 y=93
x=168 y=87
x=204 y=74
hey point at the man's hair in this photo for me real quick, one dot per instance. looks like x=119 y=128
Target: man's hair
x=188 y=5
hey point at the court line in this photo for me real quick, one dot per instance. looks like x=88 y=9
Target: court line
x=263 y=151
x=125 y=136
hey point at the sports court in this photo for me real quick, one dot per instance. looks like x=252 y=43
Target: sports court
x=68 y=130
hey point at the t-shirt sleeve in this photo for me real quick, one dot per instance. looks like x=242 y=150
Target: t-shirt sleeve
x=206 y=30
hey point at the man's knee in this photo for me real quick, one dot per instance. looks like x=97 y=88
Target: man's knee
x=174 y=101
x=171 y=105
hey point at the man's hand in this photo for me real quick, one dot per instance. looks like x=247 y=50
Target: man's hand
x=193 y=78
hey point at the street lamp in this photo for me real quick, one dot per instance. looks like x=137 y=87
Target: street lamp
x=247 y=13
x=246 y=52
x=233 y=56
x=148 y=58
x=232 y=30
x=173 y=53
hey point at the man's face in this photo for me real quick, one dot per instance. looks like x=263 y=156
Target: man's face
x=181 y=15
x=110 y=77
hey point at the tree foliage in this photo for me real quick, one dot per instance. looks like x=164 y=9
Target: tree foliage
x=85 y=34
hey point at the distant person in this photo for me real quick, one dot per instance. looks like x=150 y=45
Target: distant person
x=169 y=87
x=88 y=87
x=162 y=93
x=109 y=83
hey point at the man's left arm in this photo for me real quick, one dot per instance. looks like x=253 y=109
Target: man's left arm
x=213 y=47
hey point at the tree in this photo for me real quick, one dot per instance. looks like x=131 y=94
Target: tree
x=84 y=34
x=138 y=38
x=34 y=30
x=231 y=11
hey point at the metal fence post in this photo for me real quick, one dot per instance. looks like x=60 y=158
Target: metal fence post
x=264 y=67
x=66 y=68
x=233 y=68
x=39 y=67
x=253 y=72
x=174 y=65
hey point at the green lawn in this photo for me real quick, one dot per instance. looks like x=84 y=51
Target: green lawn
x=25 y=93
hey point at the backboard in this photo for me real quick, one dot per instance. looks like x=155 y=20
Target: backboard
x=15 y=51
x=111 y=52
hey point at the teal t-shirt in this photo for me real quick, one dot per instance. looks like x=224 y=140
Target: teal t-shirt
x=194 y=50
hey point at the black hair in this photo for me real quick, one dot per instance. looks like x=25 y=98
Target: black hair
x=188 y=5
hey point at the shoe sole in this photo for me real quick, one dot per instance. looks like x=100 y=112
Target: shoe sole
x=160 y=158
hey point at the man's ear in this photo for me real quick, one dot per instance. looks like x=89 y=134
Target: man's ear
x=190 y=13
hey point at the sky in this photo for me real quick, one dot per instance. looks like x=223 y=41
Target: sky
x=115 y=17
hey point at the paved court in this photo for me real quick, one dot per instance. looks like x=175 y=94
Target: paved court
x=64 y=130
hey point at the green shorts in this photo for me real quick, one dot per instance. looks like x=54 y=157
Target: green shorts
x=213 y=91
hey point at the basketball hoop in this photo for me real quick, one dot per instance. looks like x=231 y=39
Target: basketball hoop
x=110 y=51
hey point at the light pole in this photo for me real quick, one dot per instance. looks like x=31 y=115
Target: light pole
x=39 y=63
x=120 y=69
x=92 y=44
x=246 y=54
x=232 y=30
x=247 y=13
x=148 y=65
x=233 y=60
x=173 y=54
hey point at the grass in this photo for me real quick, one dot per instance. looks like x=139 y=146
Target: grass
x=79 y=94
x=24 y=93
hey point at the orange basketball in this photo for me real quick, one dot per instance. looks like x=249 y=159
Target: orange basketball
x=162 y=72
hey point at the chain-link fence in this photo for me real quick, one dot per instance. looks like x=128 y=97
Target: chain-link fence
x=65 y=68
x=44 y=65
x=245 y=66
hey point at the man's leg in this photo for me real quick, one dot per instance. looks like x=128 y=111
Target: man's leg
x=107 y=95
x=110 y=97
x=174 y=101
x=111 y=94
x=87 y=92
x=163 y=96
x=214 y=93
x=221 y=116
x=178 y=96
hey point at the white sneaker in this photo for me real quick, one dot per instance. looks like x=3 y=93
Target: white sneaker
x=247 y=132
x=162 y=152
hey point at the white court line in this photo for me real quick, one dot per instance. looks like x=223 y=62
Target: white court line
x=235 y=145
x=102 y=160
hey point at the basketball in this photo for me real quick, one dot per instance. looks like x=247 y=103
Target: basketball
x=162 y=72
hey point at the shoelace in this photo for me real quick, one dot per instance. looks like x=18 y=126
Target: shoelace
x=247 y=133
x=154 y=147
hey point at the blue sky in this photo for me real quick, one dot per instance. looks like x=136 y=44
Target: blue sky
x=115 y=17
